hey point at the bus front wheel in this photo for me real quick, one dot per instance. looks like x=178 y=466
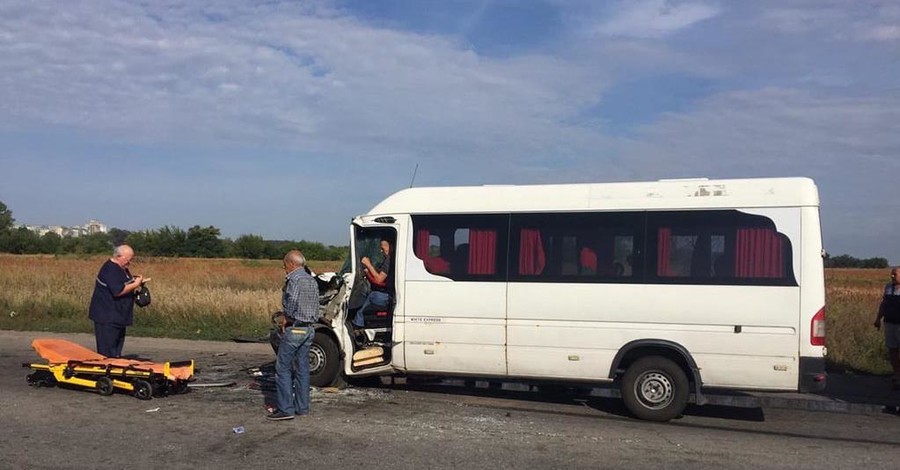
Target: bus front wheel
x=655 y=389
x=324 y=362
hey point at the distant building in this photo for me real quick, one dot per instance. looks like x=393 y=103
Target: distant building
x=94 y=226
x=90 y=228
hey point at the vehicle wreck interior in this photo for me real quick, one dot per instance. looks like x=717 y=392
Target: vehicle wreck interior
x=372 y=343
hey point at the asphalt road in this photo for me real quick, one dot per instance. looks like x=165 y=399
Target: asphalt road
x=412 y=426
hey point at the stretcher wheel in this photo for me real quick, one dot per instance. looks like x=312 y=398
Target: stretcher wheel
x=105 y=386
x=178 y=387
x=143 y=390
x=40 y=378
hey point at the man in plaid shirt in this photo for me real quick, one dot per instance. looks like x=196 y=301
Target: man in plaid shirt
x=300 y=302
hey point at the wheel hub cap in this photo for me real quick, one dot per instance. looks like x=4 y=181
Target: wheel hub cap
x=316 y=359
x=654 y=390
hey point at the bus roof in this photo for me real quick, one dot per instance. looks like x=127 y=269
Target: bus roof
x=700 y=193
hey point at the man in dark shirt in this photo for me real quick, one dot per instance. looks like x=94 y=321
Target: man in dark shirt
x=112 y=303
x=381 y=281
x=889 y=311
x=300 y=303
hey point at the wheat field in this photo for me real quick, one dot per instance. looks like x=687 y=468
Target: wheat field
x=852 y=298
x=223 y=298
x=192 y=298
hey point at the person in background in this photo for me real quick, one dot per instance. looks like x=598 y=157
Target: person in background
x=300 y=303
x=112 y=303
x=888 y=319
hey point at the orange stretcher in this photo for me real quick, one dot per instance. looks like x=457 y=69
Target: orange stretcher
x=73 y=364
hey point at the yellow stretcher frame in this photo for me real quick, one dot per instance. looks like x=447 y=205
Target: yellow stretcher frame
x=141 y=378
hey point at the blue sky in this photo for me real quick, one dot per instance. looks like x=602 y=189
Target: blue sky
x=285 y=119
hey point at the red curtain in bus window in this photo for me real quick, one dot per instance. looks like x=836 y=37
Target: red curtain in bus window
x=433 y=264
x=663 y=252
x=482 y=251
x=588 y=260
x=531 y=252
x=437 y=265
x=759 y=253
x=423 y=237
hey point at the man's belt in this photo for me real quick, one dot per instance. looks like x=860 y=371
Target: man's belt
x=298 y=323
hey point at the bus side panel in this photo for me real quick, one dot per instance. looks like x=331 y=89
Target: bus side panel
x=739 y=336
x=455 y=327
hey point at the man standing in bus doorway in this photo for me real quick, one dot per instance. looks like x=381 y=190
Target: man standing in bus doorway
x=889 y=311
x=381 y=282
x=300 y=303
x=112 y=303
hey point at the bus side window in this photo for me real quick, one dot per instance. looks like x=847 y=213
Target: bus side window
x=460 y=263
x=462 y=247
x=718 y=247
x=575 y=247
x=723 y=266
x=428 y=247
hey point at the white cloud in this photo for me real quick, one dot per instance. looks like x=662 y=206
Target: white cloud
x=316 y=83
x=849 y=145
x=788 y=130
x=800 y=20
x=870 y=20
x=883 y=33
x=240 y=96
x=655 y=18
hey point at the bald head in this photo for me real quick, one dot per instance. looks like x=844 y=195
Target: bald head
x=122 y=255
x=294 y=259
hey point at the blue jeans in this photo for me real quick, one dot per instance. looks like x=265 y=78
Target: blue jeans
x=292 y=395
x=376 y=299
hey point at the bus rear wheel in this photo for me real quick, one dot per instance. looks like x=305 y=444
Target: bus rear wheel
x=655 y=389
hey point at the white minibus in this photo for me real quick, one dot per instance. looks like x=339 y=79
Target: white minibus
x=669 y=289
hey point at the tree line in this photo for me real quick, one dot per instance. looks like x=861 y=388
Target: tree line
x=847 y=261
x=207 y=242
x=195 y=242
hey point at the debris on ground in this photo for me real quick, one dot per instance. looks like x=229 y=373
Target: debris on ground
x=211 y=384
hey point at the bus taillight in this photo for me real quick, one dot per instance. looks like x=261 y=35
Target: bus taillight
x=817 y=328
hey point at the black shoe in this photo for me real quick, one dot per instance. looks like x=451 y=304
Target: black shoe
x=279 y=415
